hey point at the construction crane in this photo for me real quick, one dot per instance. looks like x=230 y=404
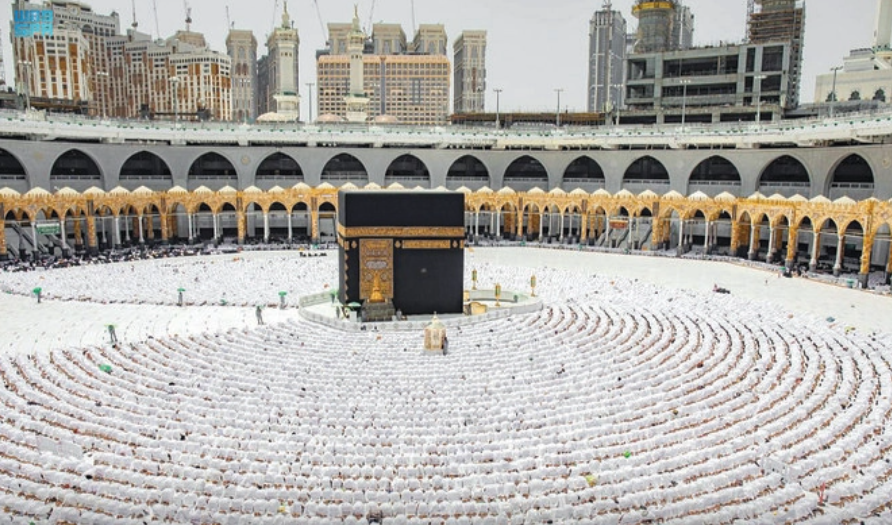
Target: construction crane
x=321 y=23
x=157 y=26
x=188 y=15
x=228 y=21
x=275 y=8
x=135 y=24
x=414 y=28
x=368 y=27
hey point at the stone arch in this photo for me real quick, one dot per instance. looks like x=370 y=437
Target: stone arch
x=214 y=166
x=11 y=168
x=785 y=175
x=646 y=170
x=714 y=175
x=852 y=176
x=582 y=170
x=279 y=166
x=468 y=171
x=75 y=165
x=525 y=169
x=407 y=169
x=345 y=168
x=145 y=167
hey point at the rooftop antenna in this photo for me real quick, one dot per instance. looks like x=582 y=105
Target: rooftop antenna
x=135 y=24
x=188 y=16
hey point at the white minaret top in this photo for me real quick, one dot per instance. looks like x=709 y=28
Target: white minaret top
x=355 y=46
x=882 y=36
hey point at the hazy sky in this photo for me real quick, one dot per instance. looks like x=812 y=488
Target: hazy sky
x=535 y=46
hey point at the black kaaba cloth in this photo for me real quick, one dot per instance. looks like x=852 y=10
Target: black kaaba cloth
x=408 y=246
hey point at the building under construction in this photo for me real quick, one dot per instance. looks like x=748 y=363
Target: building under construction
x=780 y=21
x=656 y=20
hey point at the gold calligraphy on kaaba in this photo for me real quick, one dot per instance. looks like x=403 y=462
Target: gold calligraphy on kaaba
x=375 y=267
x=427 y=245
x=396 y=232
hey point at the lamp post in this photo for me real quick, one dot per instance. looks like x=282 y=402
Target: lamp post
x=684 y=100
x=498 y=96
x=833 y=97
x=758 y=92
x=175 y=84
x=557 y=114
x=310 y=86
x=26 y=82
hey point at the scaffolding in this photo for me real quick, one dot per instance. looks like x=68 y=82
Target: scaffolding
x=780 y=21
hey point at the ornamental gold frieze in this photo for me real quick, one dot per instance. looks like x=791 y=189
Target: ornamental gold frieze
x=427 y=245
x=397 y=232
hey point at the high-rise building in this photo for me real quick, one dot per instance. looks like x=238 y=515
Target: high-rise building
x=283 y=71
x=71 y=64
x=355 y=82
x=430 y=39
x=88 y=63
x=606 y=60
x=781 y=21
x=470 y=72
x=241 y=46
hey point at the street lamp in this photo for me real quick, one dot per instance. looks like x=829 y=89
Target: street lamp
x=759 y=79
x=26 y=82
x=310 y=86
x=498 y=95
x=557 y=114
x=684 y=100
x=174 y=83
x=833 y=96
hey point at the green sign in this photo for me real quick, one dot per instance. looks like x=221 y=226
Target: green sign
x=49 y=229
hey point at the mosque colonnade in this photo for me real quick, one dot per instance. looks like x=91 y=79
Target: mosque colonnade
x=795 y=230
x=858 y=171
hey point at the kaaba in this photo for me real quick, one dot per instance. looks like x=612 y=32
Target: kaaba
x=404 y=248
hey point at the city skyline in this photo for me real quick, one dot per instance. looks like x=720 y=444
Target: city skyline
x=560 y=57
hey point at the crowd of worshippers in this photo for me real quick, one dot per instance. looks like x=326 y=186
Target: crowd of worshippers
x=146 y=253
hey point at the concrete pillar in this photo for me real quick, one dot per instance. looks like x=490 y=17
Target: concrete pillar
x=792 y=247
x=497 y=232
x=561 y=223
x=63 y=233
x=583 y=227
x=815 y=250
x=706 y=239
x=139 y=220
x=34 y=238
x=840 y=248
x=314 y=220
x=265 y=226
x=191 y=230
x=126 y=230
x=770 y=256
x=290 y=227
x=866 y=251
x=242 y=223
x=117 y=238
x=165 y=231
x=680 y=236
x=519 y=226
x=216 y=219
x=477 y=223
x=78 y=235
x=754 y=242
x=541 y=225
x=149 y=228
x=4 y=252
x=607 y=230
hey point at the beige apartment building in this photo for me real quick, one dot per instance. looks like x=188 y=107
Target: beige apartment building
x=406 y=88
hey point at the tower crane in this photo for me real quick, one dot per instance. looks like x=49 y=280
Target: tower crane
x=368 y=26
x=157 y=26
x=135 y=24
x=321 y=23
x=188 y=15
x=228 y=21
